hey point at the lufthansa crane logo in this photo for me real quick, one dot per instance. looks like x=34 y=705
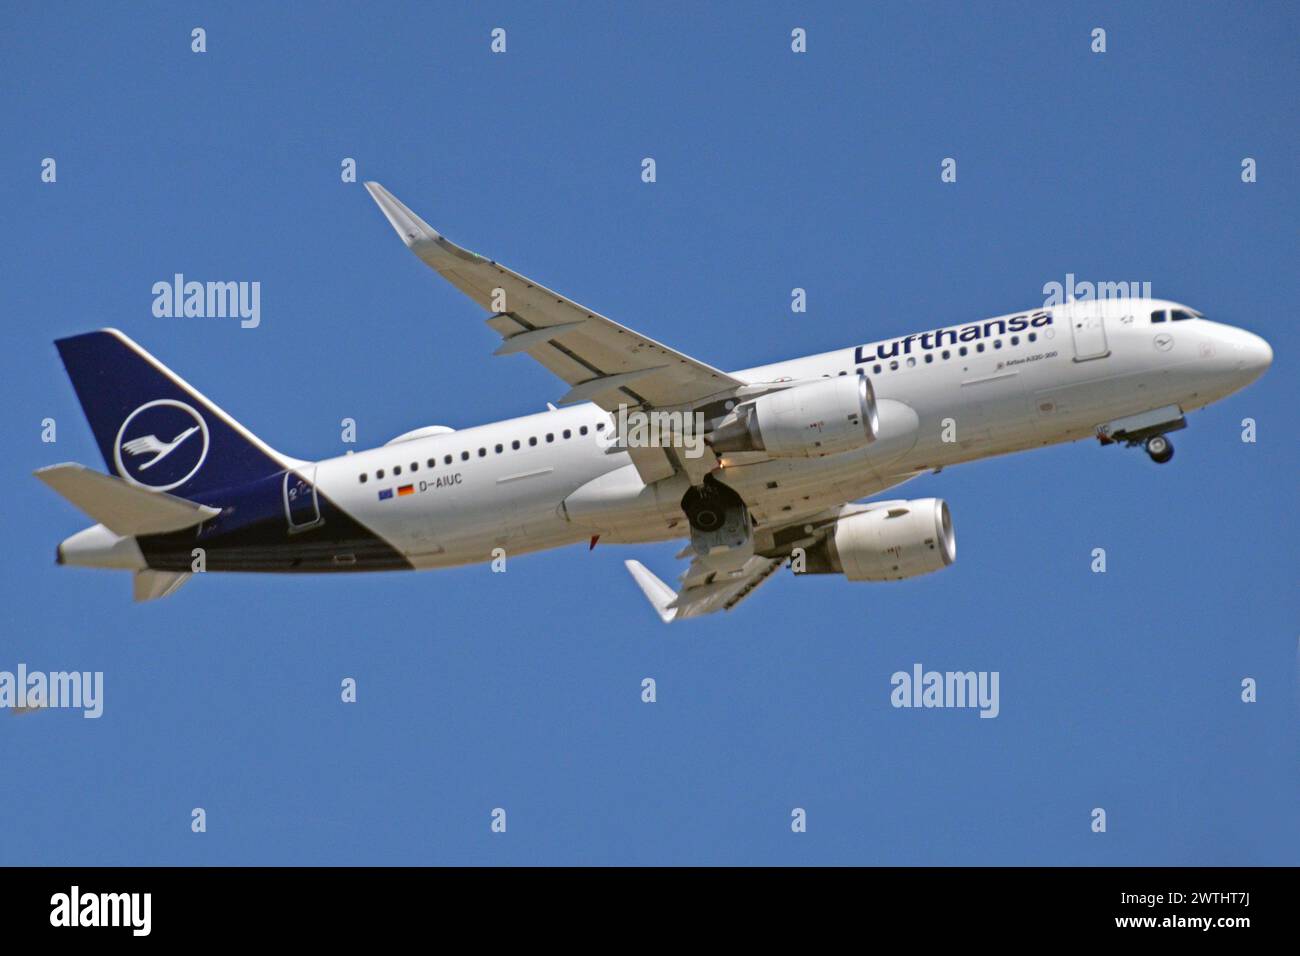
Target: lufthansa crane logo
x=161 y=445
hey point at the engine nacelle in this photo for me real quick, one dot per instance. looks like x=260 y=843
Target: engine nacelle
x=903 y=540
x=804 y=421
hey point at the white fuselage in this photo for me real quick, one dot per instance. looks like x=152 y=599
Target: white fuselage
x=1019 y=385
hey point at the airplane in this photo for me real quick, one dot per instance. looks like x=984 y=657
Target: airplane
x=755 y=469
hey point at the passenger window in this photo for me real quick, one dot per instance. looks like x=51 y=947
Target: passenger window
x=844 y=373
x=431 y=462
x=532 y=440
x=415 y=466
x=514 y=445
x=1033 y=336
x=979 y=346
x=893 y=366
x=928 y=358
x=379 y=473
x=600 y=426
x=446 y=459
x=997 y=343
x=482 y=452
x=1015 y=340
x=397 y=469
x=962 y=350
x=500 y=449
x=1158 y=316
x=567 y=433
x=550 y=436
x=582 y=430
x=363 y=477
x=946 y=355
x=911 y=361
x=464 y=456
x=875 y=369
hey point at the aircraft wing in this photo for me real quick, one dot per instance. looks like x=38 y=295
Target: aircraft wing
x=603 y=362
x=704 y=590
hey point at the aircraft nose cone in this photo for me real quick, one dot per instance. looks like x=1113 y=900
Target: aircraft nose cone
x=1263 y=353
x=1256 y=355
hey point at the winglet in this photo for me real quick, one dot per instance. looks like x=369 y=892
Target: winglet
x=656 y=592
x=426 y=242
x=408 y=225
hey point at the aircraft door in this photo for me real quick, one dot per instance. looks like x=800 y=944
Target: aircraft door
x=301 y=507
x=1088 y=329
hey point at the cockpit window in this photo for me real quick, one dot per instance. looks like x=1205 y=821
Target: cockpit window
x=1178 y=315
x=1158 y=316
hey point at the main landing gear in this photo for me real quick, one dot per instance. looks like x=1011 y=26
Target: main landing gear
x=707 y=505
x=721 y=531
x=1160 y=448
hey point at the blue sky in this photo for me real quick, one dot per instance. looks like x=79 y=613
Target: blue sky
x=775 y=170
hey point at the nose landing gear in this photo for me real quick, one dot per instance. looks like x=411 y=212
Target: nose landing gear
x=1160 y=449
x=1148 y=429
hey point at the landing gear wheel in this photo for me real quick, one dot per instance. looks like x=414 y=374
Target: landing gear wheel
x=707 y=518
x=1160 y=448
x=706 y=505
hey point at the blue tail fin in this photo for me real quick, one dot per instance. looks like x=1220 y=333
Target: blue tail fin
x=153 y=429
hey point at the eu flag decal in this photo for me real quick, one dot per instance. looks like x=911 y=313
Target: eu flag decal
x=386 y=494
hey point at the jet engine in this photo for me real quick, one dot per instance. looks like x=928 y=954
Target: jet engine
x=818 y=418
x=902 y=540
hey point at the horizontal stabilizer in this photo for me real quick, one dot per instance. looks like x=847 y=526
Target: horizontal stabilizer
x=120 y=506
x=152 y=585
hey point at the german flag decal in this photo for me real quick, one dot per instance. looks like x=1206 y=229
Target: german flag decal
x=404 y=490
